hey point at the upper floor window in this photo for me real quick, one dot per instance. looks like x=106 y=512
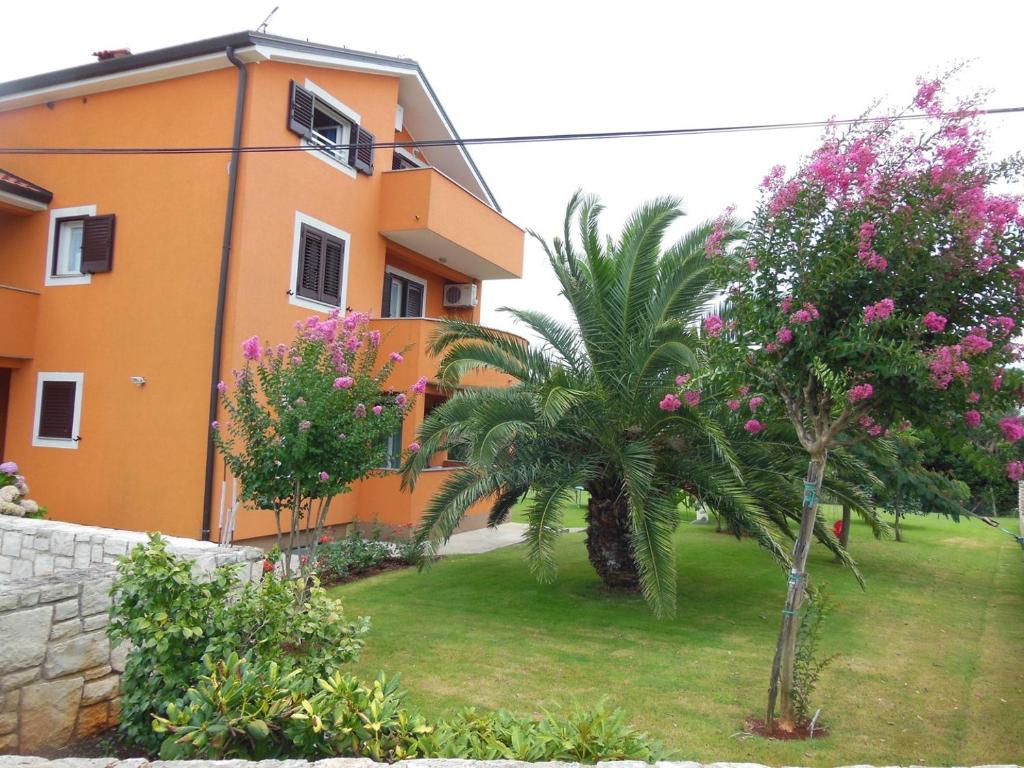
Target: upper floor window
x=326 y=123
x=319 y=277
x=403 y=158
x=404 y=295
x=80 y=244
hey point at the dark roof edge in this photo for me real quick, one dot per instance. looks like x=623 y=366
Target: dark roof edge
x=31 y=192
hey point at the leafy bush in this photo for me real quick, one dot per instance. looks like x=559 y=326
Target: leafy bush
x=171 y=620
x=338 y=558
x=238 y=710
x=808 y=664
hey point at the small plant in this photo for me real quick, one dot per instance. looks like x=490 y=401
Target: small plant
x=14 y=499
x=808 y=664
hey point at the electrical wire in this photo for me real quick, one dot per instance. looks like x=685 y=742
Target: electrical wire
x=480 y=141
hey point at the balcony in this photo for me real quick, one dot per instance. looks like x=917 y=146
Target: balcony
x=18 y=310
x=413 y=334
x=425 y=211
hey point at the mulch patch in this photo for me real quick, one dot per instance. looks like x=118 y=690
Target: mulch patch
x=800 y=733
x=382 y=567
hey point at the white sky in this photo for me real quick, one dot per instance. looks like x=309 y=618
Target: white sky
x=557 y=67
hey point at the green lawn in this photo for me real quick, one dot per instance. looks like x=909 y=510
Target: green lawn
x=928 y=670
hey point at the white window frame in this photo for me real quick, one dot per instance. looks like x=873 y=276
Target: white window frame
x=342 y=109
x=418 y=162
x=323 y=226
x=50 y=279
x=55 y=442
x=414 y=278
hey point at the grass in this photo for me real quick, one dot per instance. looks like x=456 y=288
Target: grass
x=927 y=672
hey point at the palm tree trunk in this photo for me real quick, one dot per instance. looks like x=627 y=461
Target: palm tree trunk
x=844 y=538
x=781 y=685
x=609 y=537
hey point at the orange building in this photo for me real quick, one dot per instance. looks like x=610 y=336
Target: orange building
x=129 y=280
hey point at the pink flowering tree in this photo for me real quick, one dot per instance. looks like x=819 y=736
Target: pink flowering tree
x=877 y=286
x=308 y=419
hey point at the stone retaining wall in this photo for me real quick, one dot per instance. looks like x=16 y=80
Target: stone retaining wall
x=59 y=677
x=341 y=762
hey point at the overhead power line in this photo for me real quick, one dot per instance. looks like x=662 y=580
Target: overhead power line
x=480 y=141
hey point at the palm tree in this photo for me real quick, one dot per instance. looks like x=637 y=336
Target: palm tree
x=584 y=411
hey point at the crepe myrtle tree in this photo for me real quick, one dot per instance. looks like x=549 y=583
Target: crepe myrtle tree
x=308 y=419
x=876 y=286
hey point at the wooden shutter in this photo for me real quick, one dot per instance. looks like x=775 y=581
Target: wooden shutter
x=98 y=244
x=413 y=300
x=385 y=305
x=300 y=111
x=57 y=410
x=362 y=155
x=334 y=261
x=310 y=264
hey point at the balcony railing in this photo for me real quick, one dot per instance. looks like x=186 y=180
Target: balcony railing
x=18 y=310
x=424 y=210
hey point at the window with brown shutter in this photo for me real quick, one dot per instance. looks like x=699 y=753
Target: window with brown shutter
x=58 y=403
x=403 y=296
x=321 y=268
x=98 y=244
x=82 y=245
x=323 y=126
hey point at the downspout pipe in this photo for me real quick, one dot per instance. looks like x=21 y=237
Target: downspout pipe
x=222 y=290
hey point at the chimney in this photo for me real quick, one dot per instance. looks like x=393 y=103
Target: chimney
x=116 y=53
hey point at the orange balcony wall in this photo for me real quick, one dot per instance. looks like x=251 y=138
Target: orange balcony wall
x=18 y=310
x=424 y=210
x=414 y=334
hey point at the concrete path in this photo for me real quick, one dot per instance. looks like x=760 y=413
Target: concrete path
x=487 y=539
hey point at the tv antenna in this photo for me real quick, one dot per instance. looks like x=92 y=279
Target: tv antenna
x=263 y=27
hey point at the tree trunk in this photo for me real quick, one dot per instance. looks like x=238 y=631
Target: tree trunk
x=609 y=538
x=844 y=538
x=781 y=685
x=899 y=536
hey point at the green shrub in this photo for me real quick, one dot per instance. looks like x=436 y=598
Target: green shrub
x=171 y=620
x=808 y=663
x=338 y=558
x=242 y=710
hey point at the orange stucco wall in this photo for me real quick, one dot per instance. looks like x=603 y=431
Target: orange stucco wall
x=140 y=463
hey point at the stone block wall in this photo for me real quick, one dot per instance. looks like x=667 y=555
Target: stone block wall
x=59 y=677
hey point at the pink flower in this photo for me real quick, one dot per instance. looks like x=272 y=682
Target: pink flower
x=784 y=334
x=744 y=390
x=973 y=397
x=359 y=411
x=377 y=410
x=713 y=325
x=926 y=91
x=396 y=357
x=752 y=264
x=670 y=403
x=770 y=347
x=997 y=382
x=215 y=424
x=1015 y=471
x=682 y=378
x=251 y=348
x=972 y=419
x=1002 y=323
x=222 y=387
x=753 y=426
x=879 y=311
x=786 y=303
x=805 y=314
x=692 y=397
x=304 y=425
x=420 y=386
x=934 y=322
x=860 y=392
x=754 y=403
x=414 y=447
x=343 y=382
x=374 y=338
x=1012 y=428
x=865 y=250
x=774 y=178
x=324 y=477
x=400 y=399
x=715 y=244
x=733 y=405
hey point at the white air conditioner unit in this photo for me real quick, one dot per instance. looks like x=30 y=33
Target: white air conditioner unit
x=460 y=295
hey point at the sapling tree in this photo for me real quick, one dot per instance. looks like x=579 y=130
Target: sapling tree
x=876 y=286
x=308 y=419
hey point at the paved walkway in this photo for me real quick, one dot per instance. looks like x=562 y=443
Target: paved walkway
x=486 y=539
